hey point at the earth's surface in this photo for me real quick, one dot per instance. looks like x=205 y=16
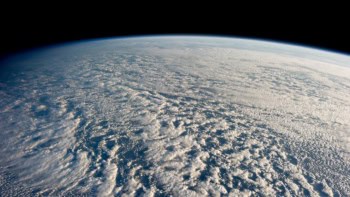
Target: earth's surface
x=180 y=116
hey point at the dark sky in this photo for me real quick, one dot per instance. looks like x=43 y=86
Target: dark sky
x=31 y=28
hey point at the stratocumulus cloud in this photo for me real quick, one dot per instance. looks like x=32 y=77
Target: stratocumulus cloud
x=182 y=116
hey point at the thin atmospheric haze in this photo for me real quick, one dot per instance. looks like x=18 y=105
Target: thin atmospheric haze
x=175 y=116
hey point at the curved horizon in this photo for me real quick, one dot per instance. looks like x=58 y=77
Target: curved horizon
x=254 y=38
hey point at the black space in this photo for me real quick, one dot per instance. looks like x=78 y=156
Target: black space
x=31 y=28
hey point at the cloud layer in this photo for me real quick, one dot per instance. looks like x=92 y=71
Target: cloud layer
x=183 y=116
